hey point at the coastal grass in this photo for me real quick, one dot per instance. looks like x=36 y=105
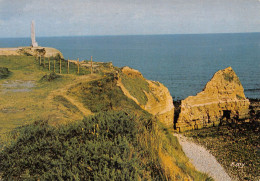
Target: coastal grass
x=235 y=146
x=103 y=95
x=24 y=98
x=136 y=87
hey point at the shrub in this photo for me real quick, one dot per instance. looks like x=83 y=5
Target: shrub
x=4 y=72
x=51 y=77
x=100 y=147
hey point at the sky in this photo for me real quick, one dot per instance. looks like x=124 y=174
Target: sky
x=127 y=17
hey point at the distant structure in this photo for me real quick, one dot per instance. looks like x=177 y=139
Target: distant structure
x=34 y=43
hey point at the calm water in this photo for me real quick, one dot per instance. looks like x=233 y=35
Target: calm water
x=183 y=63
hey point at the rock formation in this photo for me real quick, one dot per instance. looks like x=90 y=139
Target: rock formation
x=30 y=51
x=159 y=101
x=222 y=98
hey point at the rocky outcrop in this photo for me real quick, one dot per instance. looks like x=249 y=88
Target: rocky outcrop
x=158 y=99
x=31 y=51
x=222 y=98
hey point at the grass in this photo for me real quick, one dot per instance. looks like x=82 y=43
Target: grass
x=103 y=95
x=66 y=103
x=136 y=87
x=19 y=108
x=235 y=146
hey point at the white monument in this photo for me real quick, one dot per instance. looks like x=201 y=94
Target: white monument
x=34 y=43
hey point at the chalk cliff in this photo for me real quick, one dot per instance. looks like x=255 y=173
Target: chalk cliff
x=223 y=96
x=158 y=100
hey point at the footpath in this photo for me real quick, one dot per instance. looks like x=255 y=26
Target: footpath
x=202 y=159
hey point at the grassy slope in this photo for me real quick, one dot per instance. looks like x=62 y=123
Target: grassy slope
x=50 y=101
x=18 y=108
x=136 y=87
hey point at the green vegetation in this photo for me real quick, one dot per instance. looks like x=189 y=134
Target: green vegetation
x=19 y=108
x=136 y=87
x=228 y=77
x=4 y=72
x=235 y=146
x=66 y=103
x=51 y=77
x=107 y=146
x=99 y=147
x=103 y=95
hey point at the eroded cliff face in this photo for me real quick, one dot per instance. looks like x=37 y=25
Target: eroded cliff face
x=151 y=96
x=223 y=96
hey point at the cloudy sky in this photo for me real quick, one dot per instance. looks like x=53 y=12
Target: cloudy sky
x=125 y=17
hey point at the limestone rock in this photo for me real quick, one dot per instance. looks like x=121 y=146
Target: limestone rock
x=159 y=101
x=223 y=96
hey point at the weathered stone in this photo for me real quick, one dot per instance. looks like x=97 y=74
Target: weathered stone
x=223 y=96
x=159 y=101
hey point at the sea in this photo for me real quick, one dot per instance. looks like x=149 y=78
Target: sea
x=184 y=63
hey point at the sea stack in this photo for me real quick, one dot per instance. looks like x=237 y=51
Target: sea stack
x=34 y=43
x=222 y=98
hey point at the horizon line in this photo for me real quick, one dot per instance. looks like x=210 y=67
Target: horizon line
x=133 y=35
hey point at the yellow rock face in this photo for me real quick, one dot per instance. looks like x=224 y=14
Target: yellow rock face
x=222 y=96
x=159 y=101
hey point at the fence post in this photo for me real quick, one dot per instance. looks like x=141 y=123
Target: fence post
x=49 y=64
x=60 y=65
x=91 y=66
x=40 y=60
x=78 y=65
x=54 y=65
x=43 y=61
x=68 y=66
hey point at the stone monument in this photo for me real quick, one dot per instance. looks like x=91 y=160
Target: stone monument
x=34 y=43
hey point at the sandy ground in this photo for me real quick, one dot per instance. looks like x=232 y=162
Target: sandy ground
x=202 y=159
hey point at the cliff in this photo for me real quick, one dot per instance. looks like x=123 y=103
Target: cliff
x=222 y=97
x=151 y=96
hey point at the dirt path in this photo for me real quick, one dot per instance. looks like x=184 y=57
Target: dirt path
x=202 y=159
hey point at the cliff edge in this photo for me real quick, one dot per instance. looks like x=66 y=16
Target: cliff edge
x=222 y=97
x=151 y=96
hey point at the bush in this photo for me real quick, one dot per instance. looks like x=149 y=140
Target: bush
x=51 y=77
x=100 y=147
x=4 y=72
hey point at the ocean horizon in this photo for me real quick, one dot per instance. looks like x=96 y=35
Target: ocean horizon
x=184 y=63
